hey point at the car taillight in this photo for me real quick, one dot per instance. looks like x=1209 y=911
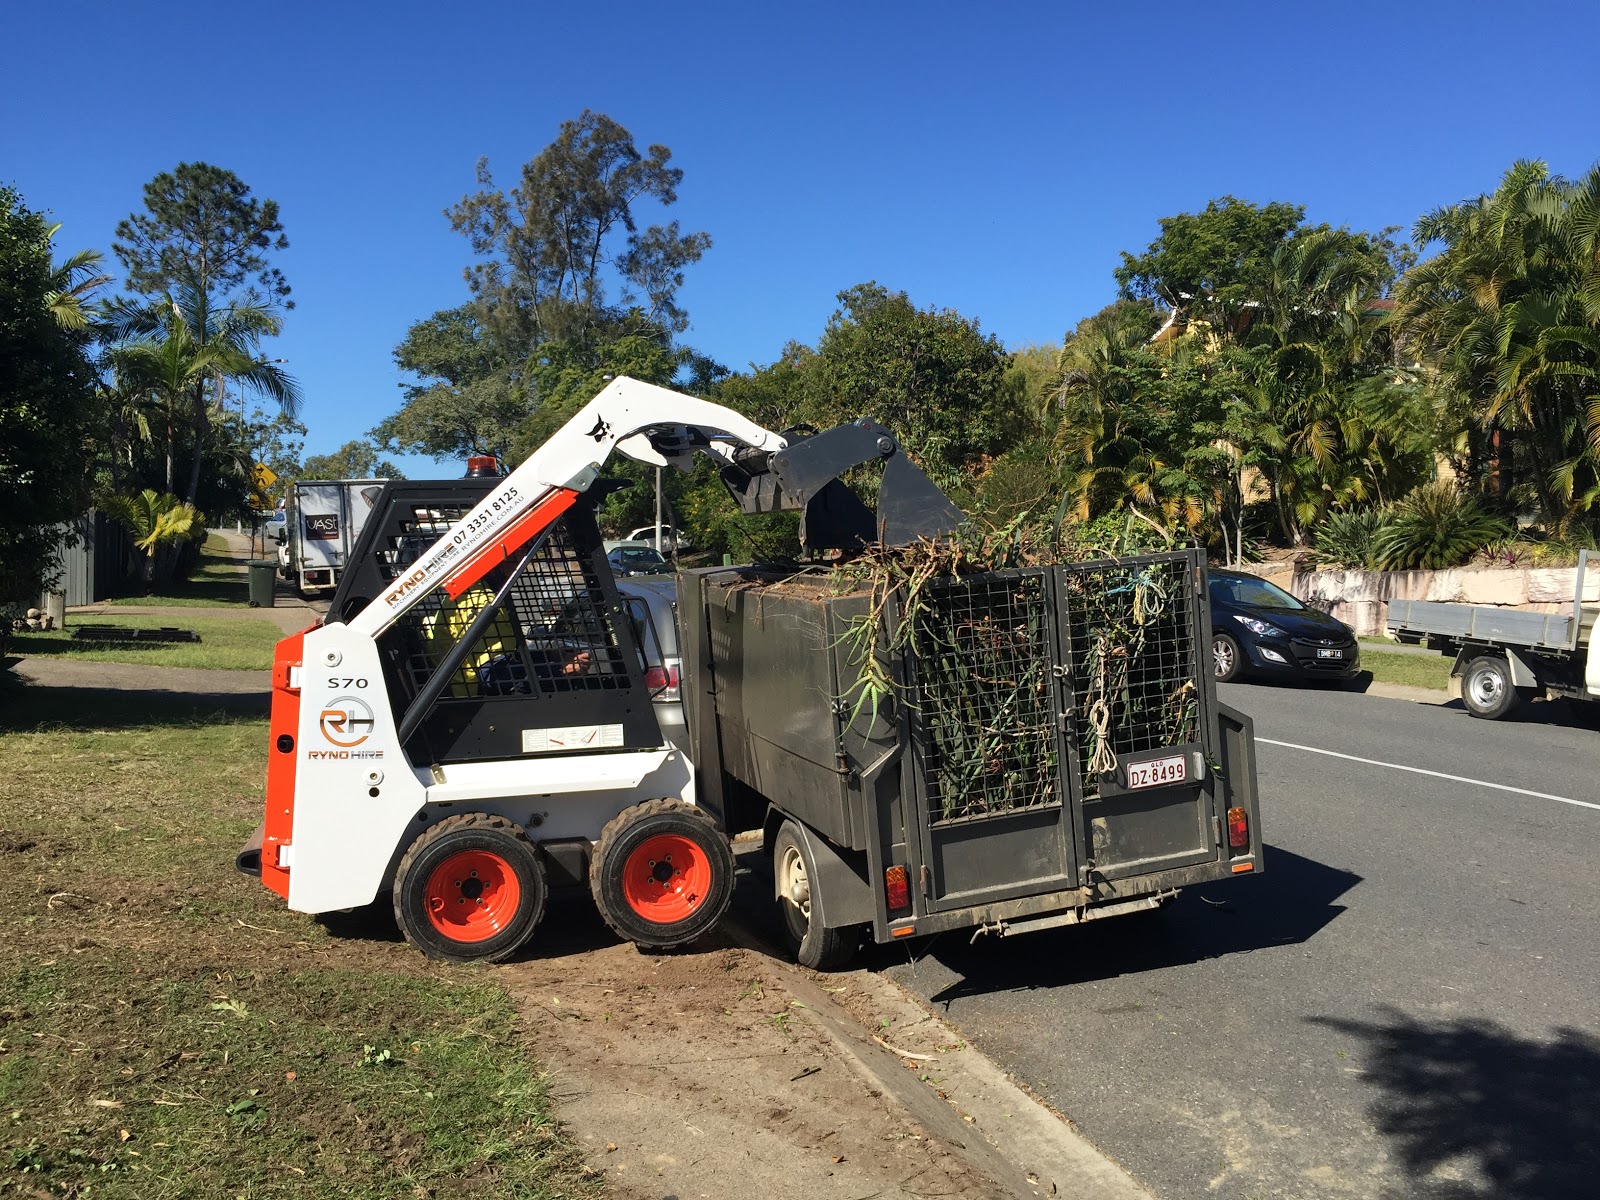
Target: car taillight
x=897 y=889
x=662 y=682
x=1238 y=829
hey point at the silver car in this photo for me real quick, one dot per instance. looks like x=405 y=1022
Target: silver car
x=653 y=608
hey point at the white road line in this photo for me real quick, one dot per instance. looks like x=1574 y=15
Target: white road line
x=1372 y=762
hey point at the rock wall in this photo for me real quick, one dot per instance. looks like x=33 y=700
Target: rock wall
x=1361 y=598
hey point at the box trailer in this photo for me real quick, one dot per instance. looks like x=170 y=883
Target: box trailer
x=1052 y=751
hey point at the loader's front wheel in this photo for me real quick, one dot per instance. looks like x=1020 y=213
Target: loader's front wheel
x=661 y=874
x=471 y=889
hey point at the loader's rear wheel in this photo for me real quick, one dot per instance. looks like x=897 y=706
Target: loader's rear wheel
x=661 y=874
x=471 y=889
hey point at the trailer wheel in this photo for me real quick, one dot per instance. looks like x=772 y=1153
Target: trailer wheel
x=661 y=874
x=1486 y=688
x=820 y=947
x=1226 y=659
x=471 y=889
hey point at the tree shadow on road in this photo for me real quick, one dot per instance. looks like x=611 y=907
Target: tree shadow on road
x=1287 y=904
x=1477 y=1112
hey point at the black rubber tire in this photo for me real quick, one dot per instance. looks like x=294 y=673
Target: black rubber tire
x=453 y=835
x=1486 y=688
x=629 y=830
x=1222 y=642
x=820 y=947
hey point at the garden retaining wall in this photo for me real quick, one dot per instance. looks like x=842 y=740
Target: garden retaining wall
x=1361 y=598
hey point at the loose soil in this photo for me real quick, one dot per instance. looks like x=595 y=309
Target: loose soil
x=697 y=1073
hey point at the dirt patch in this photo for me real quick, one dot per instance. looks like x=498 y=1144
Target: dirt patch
x=698 y=1074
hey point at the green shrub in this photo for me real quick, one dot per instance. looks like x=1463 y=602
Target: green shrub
x=1436 y=526
x=1344 y=539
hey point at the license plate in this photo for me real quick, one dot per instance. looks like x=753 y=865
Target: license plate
x=1157 y=772
x=1330 y=653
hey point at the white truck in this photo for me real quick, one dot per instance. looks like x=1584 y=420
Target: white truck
x=1503 y=655
x=324 y=521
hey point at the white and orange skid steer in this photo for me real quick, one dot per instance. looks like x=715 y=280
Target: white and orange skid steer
x=472 y=723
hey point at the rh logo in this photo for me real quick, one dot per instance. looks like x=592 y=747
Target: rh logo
x=346 y=721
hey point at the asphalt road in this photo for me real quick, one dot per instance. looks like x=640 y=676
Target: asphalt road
x=1405 y=1004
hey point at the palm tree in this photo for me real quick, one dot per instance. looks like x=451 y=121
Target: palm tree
x=158 y=523
x=1508 y=313
x=72 y=282
x=185 y=356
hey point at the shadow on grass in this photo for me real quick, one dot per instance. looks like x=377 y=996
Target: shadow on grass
x=27 y=709
x=1288 y=904
x=46 y=646
x=1474 y=1111
x=217 y=580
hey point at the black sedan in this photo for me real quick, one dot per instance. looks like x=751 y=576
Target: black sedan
x=637 y=560
x=1261 y=630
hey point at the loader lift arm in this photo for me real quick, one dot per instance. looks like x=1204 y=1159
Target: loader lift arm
x=661 y=427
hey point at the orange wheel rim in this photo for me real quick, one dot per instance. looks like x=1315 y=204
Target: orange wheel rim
x=666 y=878
x=472 y=896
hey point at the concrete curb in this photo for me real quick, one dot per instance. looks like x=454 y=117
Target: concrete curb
x=954 y=1090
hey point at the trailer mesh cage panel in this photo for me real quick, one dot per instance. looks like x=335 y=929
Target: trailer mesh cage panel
x=1132 y=654
x=551 y=632
x=985 y=697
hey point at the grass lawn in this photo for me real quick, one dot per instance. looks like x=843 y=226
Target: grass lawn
x=225 y=643
x=1408 y=670
x=219 y=581
x=169 y=1029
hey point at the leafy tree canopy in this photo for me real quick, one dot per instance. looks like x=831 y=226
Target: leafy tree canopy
x=564 y=246
x=930 y=375
x=353 y=460
x=470 y=395
x=48 y=409
x=1224 y=250
x=202 y=228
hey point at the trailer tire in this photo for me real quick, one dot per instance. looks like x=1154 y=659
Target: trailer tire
x=794 y=871
x=471 y=889
x=1486 y=688
x=661 y=874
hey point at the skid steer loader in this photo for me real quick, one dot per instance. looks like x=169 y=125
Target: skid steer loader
x=472 y=724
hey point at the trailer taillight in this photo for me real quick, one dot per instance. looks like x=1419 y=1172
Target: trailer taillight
x=1238 y=829
x=897 y=889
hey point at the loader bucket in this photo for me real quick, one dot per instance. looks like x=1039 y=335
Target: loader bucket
x=805 y=476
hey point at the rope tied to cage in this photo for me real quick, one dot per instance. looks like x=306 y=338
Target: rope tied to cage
x=1103 y=759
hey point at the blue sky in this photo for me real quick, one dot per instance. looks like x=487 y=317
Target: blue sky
x=989 y=158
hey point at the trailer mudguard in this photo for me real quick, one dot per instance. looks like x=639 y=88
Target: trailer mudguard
x=1522 y=675
x=841 y=894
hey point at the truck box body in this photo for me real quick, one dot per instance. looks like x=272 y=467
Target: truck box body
x=978 y=774
x=324 y=522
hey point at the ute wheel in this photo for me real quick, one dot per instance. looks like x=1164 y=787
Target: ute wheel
x=794 y=872
x=1486 y=688
x=661 y=874
x=471 y=889
x=1226 y=659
